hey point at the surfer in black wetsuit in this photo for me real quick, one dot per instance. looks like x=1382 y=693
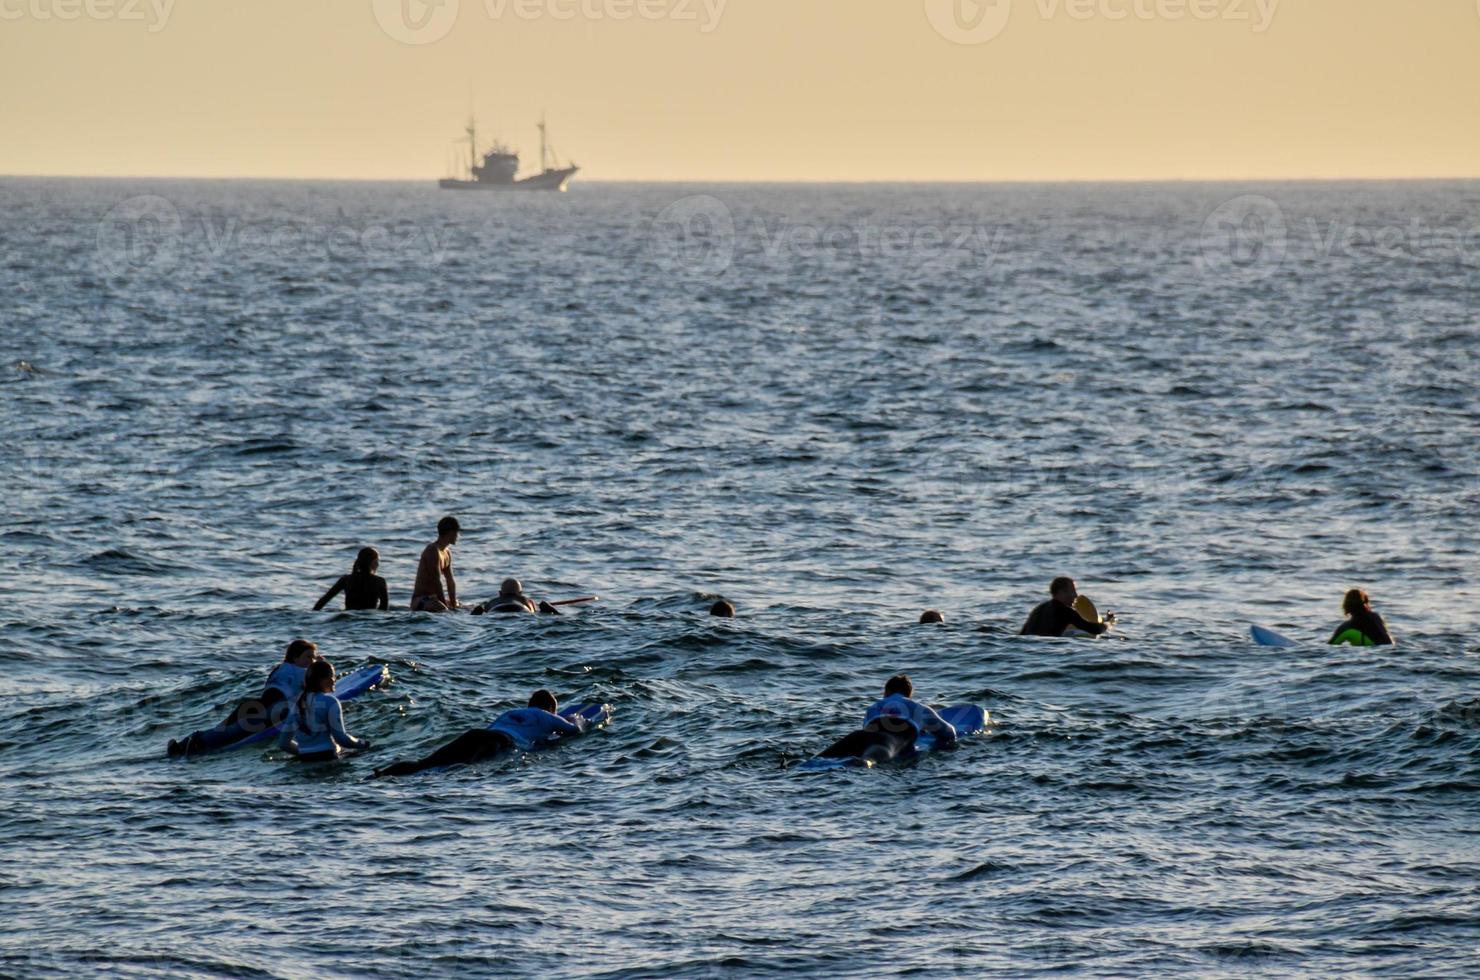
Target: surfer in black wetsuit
x=362 y=588
x=525 y=729
x=891 y=725
x=511 y=599
x=1053 y=617
x=1362 y=619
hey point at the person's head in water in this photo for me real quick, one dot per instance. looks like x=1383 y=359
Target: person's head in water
x=543 y=700
x=448 y=528
x=1356 y=601
x=932 y=616
x=301 y=653
x=723 y=608
x=899 y=684
x=366 y=562
x=511 y=589
x=1064 y=590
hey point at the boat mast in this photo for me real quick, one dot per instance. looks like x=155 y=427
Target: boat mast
x=472 y=146
x=544 y=157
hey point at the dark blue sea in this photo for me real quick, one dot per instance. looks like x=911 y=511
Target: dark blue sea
x=835 y=406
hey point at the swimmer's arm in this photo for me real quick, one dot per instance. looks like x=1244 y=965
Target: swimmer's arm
x=944 y=731
x=385 y=596
x=334 y=590
x=1080 y=622
x=561 y=725
x=451 y=583
x=336 y=729
x=289 y=729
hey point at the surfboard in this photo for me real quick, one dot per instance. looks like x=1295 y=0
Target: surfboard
x=347 y=688
x=1086 y=608
x=967 y=719
x=1269 y=638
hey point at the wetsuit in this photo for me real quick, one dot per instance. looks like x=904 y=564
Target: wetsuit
x=520 y=603
x=360 y=592
x=1366 y=624
x=522 y=728
x=1052 y=618
x=890 y=728
x=316 y=734
x=251 y=716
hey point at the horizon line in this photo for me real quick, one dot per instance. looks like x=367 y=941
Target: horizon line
x=782 y=181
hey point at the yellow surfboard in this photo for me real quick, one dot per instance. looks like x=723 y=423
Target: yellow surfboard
x=1084 y=607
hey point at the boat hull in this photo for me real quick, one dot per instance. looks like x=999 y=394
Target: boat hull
x=550 y=180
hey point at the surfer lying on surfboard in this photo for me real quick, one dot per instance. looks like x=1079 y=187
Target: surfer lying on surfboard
x=1053 y=617
x=284 y=684
x=891 y=725
x=525 y=729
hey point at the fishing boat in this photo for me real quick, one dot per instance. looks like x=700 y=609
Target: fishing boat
x=499 y=169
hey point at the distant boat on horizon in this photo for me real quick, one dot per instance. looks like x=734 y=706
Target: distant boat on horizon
x=500 y=168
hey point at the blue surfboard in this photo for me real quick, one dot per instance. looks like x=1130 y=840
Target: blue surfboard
x=967 y=719
x=1269 y=638
x=347 y=688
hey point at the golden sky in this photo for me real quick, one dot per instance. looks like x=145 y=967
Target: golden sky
x=747 y=89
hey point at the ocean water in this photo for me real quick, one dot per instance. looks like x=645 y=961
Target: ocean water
x=1214 y=405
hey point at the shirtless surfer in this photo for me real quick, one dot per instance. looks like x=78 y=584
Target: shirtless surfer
x=435 y=565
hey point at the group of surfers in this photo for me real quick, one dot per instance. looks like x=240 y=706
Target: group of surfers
x=299 y=693
x=299 y=696
x=436 y=591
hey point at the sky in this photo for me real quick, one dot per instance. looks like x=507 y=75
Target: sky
x=746 y=90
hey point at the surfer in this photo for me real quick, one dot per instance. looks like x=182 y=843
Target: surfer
x=522 y=728
x=284 y=683
x=362 y=588
x=724 y=608
x=932 y=616
x=891 y=725
x=314 y=730
x=1053 y=617
x=511 y=599
x=1363 y=627
x=436 y=565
